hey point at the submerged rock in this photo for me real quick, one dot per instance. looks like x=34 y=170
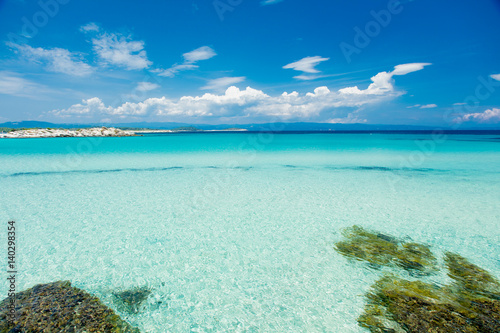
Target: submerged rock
x=384 y=250
x=132 y=299
x=59 y=307
x=471 y=278
x=414 y=256
x=470 y=304
x=398 y=305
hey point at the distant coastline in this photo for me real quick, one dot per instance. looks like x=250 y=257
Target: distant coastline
x=35 y=129
x=24 y=133
x=65 y=133
x=187 y=130
x=253 y=127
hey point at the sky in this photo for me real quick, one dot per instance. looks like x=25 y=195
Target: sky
x=411 y=62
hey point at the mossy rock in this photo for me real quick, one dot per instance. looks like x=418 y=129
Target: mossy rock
x=131 y=300
x=398 y=305
x=471 y=278
x=384 y=250
x=377 y=249
x=59 y=307
x=416 y=257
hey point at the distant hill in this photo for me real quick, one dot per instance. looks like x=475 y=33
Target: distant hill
x=31 y=124
x=186 y=129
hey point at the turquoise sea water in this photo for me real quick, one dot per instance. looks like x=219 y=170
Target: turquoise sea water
x=234 y=232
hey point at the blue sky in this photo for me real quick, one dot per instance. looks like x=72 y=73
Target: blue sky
x=239 y=61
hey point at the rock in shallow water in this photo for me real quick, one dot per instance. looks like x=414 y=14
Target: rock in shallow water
x=471 y=278
x=395 y=305
x=132 y=299
x=59 y=307
x=385 y=250
x=471 y=304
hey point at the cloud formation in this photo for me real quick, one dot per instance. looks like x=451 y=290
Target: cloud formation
x=420 y=106
x=252 y=103
x=88 y=106
x=306 y=64
x=269 y=2
x=222 y=82
x=146 y=86
x=383 y=82
x=121 y=51
x=55 y=60
x=488 y=116
x=409 y=68
x=89 y=27
x=12 y=84
x=190 y=60
x=202 y=53
x=495 y=76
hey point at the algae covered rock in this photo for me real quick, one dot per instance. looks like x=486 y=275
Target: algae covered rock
x=59 y=307
x=414 y=256
x=470 y=304
x=471 y=278
x=398 y=305
x=364 y=245
x=384 y=250
x=131 y=300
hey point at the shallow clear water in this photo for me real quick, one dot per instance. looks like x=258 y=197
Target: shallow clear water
x=235 y=232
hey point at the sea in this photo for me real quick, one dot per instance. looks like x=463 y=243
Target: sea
x=236 y=232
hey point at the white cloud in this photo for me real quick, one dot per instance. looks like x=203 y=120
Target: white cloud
x=309 y=77
x=409 y=68
x=322 y=103
x=428 y=106
x=495 y=76
x=203 y=106
x=12 y=84
x=55 y=60
x=269 y=2
x=383 y=82
x=488 y=116
x=121 y=51
x=459 y=104
x=202 y=53
x=146 y=86
x=306 y=64
x=190 y=59
x=89 y=27
x=87 y=107
x=171 y=72
x=222 y=82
